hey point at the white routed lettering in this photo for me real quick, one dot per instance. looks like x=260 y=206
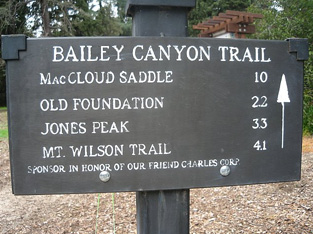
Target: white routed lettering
x=206 y=53
x=234 y=54
x=78 y=78
x=103 y=52
x=264 y=60
x=89 y=57
x=179 y=51
x=118 y=52
x=169 y=52
x=136 y=166
x=247 y=55
x=57 y=54
x=42 y=169
x=151 y=54
x=135 y=53
x=64 y=128
x=148 y=77
x=163 y=165
x=52 y=152
x=151 y=149
x=45 y=79
x=87 y=53
x=223 y=49
x=95 y=167
x=97 y=151
x=192 y=50
x=117 y=103
x=199 y=163
x=113 y=127
x=71 y=55
x=166 y=53
x=53 y=105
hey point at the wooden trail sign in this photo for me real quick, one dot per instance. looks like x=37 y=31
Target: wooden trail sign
x=133 y=114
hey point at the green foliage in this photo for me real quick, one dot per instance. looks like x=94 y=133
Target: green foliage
x=4 y=133
x=224 y=5
x=284 y=19
x=124 y=21
x=3 y=126
x=100 y=23
x=2 y=82
x=121 y=4
x=126 y=27
x=13 y=15
x=290 y=19
x=308 y=113
x=75 y=18
x=201 y=12
x=108 y=23
x=308 y=95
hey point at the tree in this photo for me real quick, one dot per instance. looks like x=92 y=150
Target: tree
x=287 y=19
x=202 y=11
x=124 y=21
x=223 y=5
x=107 y=24
x=12 y=21
x=74 y=18
x=97 y=23
x=56 y=18
x=13 y=16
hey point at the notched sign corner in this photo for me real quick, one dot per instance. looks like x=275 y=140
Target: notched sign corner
x=299 y=46
x=11 y=45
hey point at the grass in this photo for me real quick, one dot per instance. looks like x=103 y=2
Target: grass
x=3 y=123
x=4 y=133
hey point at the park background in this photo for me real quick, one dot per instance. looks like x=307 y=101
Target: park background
x=272 y=208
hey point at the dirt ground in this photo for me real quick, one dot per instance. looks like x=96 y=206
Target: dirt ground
x=270 y=208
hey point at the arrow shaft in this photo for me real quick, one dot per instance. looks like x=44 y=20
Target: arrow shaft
x=283 y=125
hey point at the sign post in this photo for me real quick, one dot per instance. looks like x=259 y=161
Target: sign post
x=163 y=211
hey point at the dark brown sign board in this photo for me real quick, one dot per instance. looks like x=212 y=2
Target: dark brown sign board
x=131 y=114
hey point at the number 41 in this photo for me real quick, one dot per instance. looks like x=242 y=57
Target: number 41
x=260 y=145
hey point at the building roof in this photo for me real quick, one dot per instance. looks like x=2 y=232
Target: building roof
x=237 y=22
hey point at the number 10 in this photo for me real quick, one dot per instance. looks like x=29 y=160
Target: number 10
x=261 y=78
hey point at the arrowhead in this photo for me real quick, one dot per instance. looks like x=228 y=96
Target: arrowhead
x=283 y=95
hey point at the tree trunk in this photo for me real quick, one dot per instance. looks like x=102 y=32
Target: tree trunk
x=100 y=4
x=45 y=18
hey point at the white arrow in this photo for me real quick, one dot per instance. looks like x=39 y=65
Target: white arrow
x=283 y=97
